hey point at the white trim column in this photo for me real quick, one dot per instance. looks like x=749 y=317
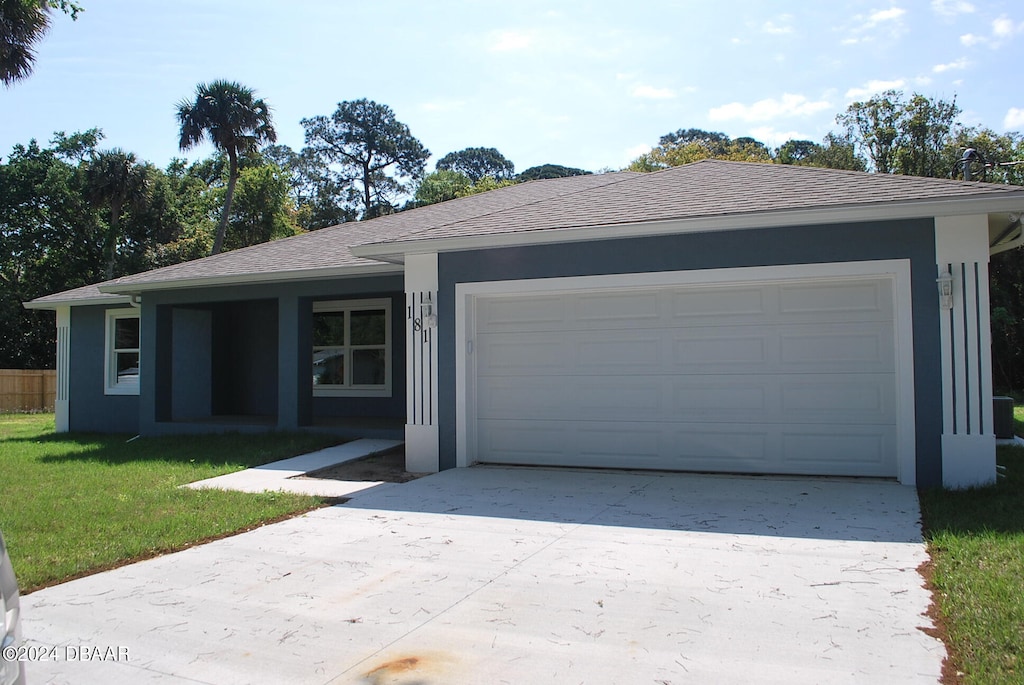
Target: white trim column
x=968 y=438
x=421 y=430
x=62 y=405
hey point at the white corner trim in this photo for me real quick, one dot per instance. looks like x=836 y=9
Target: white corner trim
x=62 y=403
x=896 y=269
x=962 y=465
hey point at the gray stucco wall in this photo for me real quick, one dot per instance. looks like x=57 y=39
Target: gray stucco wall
x=913 y=240
x=90 y=408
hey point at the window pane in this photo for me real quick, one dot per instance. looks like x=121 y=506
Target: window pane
x=368 y=367
x=328 y=328
x=329 y=367
x=368 y=327
x=127 y=366
x=126 y=333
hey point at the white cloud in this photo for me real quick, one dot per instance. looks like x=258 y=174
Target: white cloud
x=1003 y=27
x=773 y=138
x=872 y=87
x=1014 y=119
x=510 y=41
x=652 y=93
x=769 y=108
x=957 y=64
x=922 y=80
x=970 y=39
x=880 y=16
x=889 y=21
x=951 y=8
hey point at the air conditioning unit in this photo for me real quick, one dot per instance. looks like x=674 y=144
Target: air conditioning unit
x=1002 y=417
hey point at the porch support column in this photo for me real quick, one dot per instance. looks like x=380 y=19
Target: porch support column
x=294 y=359
x=62 y=405
x=421 y=429
x=968 y=437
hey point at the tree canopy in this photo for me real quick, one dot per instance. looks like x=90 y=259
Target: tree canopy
x=478 y=162
x=549 y=171
x=363 y=142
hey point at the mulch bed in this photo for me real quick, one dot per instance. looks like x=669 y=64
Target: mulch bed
x=387 y=467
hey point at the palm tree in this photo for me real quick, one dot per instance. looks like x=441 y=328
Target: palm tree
x=116 y=179
x=235 y=121
x=22 y=24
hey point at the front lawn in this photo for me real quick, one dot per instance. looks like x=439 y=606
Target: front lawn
x=976 y=541
x=73 y=504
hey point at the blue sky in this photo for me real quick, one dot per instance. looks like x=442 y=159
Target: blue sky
x=585 y=84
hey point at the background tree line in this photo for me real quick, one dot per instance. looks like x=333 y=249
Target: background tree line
x=73 y=213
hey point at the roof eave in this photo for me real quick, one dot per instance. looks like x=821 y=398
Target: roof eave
x=252 y=278
x=53 y=304
x=766 y=219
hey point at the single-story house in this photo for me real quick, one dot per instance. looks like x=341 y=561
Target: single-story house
x=719 y=316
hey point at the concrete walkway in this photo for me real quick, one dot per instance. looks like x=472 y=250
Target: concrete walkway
x=280 y=475
x=505 y=575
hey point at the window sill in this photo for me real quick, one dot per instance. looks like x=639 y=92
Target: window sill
x=351 y=392
x=122 y=390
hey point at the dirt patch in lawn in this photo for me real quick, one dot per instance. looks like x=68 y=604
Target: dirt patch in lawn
x=386 y=467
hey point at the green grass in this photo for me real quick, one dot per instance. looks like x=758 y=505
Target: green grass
x=976 y=541
x=1018 y=419
x=72 y=504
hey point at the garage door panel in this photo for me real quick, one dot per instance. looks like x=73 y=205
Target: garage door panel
x=521 y=353
x=510 y=314
x=613 y=309
x=853 y=451
x=569 y=444
x=709 y=351
x=777 y=377
x=510 y=398
x=836 y=400
x=871 y=300
x=715 y=303
x=810 y=399
x=838 y=347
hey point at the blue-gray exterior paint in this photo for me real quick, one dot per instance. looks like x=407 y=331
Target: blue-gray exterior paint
x=90 y=408
x=245 y=351
x=911 y=239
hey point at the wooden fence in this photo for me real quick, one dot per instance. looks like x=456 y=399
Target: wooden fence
x=34 y=390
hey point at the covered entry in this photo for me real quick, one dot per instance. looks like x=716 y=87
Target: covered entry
x=795 y=374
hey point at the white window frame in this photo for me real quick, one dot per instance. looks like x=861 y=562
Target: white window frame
x=111 y=385
x=348 y=306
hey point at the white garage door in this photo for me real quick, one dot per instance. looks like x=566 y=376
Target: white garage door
x=772 y=377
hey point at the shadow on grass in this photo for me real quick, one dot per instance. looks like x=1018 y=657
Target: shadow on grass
x=997 y=508
x=235 y=449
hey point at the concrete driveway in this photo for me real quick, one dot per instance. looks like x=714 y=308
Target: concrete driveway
x=505 y=575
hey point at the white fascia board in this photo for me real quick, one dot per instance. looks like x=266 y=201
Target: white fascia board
x=799 y=217
x=253 y=279
x=78 y=302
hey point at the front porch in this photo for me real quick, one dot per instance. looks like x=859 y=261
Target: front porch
x=257 y=364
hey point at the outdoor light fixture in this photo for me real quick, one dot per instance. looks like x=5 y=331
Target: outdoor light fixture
x=945 y=284
x=427 y=313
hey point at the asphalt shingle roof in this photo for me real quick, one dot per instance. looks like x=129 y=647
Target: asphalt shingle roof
x=331 y=247
x=712 y=188
x=705 y=189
